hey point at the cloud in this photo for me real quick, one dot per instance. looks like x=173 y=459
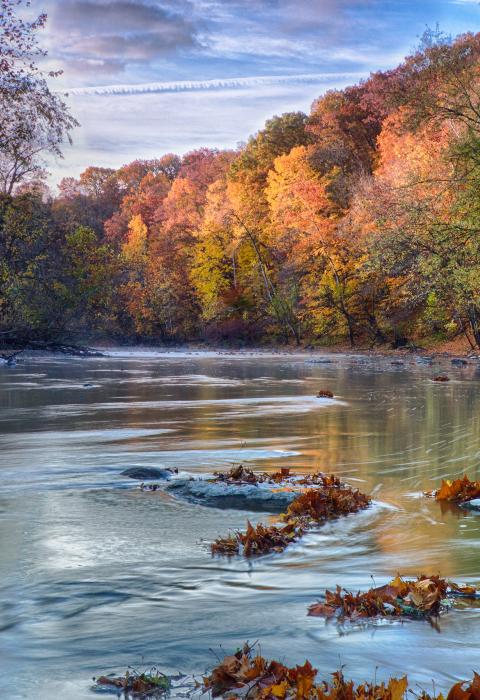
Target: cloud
x=119 y=127
x=183 y=38
x=107 y=35
x=151 y=67
x=289 y=17
x=216 y=84
x=107 y=16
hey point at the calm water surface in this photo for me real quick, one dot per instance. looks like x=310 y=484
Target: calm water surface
x=96 y=575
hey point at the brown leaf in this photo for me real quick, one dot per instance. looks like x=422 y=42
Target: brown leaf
x=398 y=688
x=458 y=693
x=457 y=491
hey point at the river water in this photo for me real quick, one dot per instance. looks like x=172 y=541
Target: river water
x=96 y=575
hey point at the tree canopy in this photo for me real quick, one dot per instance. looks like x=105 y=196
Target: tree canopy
x=358 y=222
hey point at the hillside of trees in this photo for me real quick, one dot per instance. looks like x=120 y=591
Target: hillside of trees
x=357 y=223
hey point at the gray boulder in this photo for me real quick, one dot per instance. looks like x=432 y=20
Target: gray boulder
x=147 y=473
x=458 y=362
x=248 y=497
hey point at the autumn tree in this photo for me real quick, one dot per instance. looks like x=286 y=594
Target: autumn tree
x=247 y=181
x=358 y=222
x=34 y=121
x=146 y=199
x=318 y=264
x=88 y=201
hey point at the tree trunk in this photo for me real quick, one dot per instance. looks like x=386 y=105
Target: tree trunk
x=284 y=314
x=474 y=320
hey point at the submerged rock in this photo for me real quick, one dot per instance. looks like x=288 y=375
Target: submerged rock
x=474 y=504
x=458 y=362
x=223 y=495
x=424 y=360
x=146 y=473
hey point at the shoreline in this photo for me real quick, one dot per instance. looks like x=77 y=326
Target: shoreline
x=328 y=353
x=87 y=348
x=450 y=350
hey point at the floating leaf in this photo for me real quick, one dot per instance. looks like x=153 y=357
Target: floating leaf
x=457 y=491
x=422 y=597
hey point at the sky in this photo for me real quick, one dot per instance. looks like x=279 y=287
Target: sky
x=148 y=77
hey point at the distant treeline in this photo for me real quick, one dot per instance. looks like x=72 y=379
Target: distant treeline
x=358 y=222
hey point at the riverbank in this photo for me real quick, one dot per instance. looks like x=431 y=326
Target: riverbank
x=448 y=350
x=458 y=347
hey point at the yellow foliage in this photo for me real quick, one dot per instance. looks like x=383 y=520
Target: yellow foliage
x=135 y=248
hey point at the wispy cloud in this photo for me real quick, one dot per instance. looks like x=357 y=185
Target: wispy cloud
x=215 y=84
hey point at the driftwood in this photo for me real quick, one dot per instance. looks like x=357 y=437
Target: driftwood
x=48 y=346
x=64 y=348
x=11 y=358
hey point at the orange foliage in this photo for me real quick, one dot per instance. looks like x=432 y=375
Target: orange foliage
x=248 y=674
x=457 y=491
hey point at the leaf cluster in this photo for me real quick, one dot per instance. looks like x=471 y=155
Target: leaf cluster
x=318 y=505
x=239 y=475
x=135 y=684
x=325 y=394
x=456 y=491
x=259 y=539
x=423 y=597
x=329 y=500
x=247 y=674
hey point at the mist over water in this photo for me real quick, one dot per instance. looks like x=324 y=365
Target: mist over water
x=96 y=575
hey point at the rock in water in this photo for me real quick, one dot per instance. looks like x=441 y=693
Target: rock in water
x=474 y=504
x=146 y=473
x=458 y=362
x=229 y=496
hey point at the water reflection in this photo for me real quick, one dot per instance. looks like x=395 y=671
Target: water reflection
x=96 y=575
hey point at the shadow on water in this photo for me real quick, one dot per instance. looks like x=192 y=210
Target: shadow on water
x=96 y=575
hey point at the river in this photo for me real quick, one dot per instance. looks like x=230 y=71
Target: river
x=96 y=575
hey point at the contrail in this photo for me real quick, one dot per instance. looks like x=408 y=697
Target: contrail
x=217 y=84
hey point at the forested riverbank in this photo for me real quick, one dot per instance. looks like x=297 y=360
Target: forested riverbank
x=356 y=224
